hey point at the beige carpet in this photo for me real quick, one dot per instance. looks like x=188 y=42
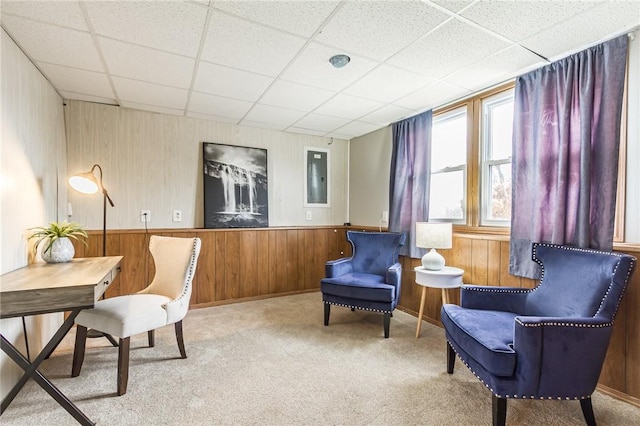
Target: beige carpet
x=272 y=362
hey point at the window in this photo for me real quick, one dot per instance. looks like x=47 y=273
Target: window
x=447 y=195
x=495 y=170
x=471 y=161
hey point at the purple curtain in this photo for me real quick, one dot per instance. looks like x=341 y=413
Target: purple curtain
x=566 y=137
x=410 y=178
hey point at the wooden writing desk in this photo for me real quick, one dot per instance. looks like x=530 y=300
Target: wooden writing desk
x=41 y=288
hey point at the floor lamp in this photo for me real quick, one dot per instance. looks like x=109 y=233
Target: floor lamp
x=87 y=183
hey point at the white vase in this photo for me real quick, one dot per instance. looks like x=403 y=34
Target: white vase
x=61 y=251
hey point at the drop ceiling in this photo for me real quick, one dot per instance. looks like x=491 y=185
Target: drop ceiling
x=266 y=63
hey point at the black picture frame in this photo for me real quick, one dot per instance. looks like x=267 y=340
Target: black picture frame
x=235 y=186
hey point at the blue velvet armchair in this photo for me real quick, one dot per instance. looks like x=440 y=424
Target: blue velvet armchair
x=370 y=279
x=548 y=342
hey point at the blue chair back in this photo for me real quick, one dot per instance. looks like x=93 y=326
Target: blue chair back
x=578 y=282
x=374 y=252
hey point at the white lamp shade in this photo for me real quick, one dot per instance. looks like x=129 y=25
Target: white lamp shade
x=434 y=235
x=84 y=182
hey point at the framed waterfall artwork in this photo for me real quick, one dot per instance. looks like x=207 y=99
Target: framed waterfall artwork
x=235 y=186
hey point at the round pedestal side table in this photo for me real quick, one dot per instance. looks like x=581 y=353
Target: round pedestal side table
x=445 y=279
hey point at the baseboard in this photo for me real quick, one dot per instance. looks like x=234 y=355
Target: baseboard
x=619 y=395
x=252 y=298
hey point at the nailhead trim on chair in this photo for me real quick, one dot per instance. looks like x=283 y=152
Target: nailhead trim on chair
x=539 y=262
x=190 y=272
x=357 y=307
x=515 y=396
x=564 y=324
x=584 y=250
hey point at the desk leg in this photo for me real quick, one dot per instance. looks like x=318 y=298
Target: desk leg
x=31 y=371
x=422 y=299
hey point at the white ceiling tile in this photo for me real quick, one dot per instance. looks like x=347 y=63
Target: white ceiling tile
x=217 y=105
x=78 y=81
x=230 y=82
x=370 y=28
x=387 y=83
x=433 y=95
x=453 y=5
x=455 y=45
x=212 y=117
x=305 y=131
x=56 y=45
x=264 y=50
x=321 y=122
x=588 y=28
x=88 y=98
x=152 y=108
x=298 y=17
x=63 y=13
x=276 y=115
x=517 y=20
x=312 y=68
x=141 y=63
x=348 y=106
x=387 y=114
x=262 y=125
x=496 y=68
x=357 y=128
x=173 y=26
x=150 y=94
x=295 y=96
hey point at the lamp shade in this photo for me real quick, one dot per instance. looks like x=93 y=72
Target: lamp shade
x=434 y=235
x=84 y=182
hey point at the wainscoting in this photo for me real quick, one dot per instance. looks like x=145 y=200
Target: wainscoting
x=245 y=264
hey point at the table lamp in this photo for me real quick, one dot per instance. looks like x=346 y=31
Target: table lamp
x=433 y=236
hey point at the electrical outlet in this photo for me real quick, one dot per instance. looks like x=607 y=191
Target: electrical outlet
x=177 y=215
x=145 y=216
x=385 y=216
x=309 y=215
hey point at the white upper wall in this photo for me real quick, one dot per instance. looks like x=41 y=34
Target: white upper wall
x=153 y=162
x=33 y=158
x=33 y=153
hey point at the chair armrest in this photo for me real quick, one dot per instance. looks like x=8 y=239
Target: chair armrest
x=562 y=355
x=178 y=307
x=394 y=274
x=336 y=268
x=491 y=298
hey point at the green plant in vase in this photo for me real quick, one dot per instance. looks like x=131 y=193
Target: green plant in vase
x=57 y=238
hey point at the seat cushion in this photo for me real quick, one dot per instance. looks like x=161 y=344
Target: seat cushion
x=486 y=336
x=124 y=316
x=361 y=286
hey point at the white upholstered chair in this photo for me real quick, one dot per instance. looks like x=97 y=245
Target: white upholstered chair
x=165 y=301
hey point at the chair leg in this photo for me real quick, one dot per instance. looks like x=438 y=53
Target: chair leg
x=499 y=410
x=152 y=338
x=78 y=350
x=180 y=339
x=327 y=311
x=353 y=309
x=123 y=365
x=587 y=411
x=451 y=358
x=387 y=320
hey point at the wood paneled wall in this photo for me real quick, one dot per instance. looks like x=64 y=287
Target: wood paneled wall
x=245 y=264
x=234 y=264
